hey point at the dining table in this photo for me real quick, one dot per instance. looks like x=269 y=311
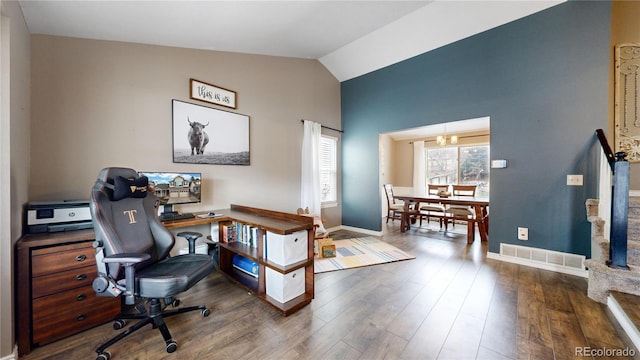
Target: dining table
x=479 y=204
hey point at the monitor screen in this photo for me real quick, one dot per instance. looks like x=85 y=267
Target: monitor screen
x=175 y=188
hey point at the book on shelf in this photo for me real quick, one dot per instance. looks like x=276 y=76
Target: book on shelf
x=228 y=233
x=246 y=234
x=245 y=265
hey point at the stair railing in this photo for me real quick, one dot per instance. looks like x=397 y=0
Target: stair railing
x=619 y=204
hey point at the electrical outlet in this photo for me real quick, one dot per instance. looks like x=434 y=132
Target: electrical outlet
x=574 y=180
x=523 y=233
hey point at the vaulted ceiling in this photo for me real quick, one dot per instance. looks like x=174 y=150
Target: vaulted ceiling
x=350 y=38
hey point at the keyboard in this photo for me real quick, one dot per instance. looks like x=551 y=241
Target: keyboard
x=176 y=216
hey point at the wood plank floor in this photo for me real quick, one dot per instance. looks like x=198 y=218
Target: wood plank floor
x=451 y=302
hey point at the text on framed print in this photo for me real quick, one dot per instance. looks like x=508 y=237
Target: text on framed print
x=212 y=94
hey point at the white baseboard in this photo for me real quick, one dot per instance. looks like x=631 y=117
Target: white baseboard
x=351 y=228
x=540 y=264
x=13 y=356
x=624 y=321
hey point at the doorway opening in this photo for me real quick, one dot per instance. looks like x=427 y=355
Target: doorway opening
x=466 y=160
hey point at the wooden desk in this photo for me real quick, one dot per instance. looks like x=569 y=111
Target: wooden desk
x=73 y=307
x=180 y=223
x=479 y=204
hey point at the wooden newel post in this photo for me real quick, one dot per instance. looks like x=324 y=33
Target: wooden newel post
x=619 y=213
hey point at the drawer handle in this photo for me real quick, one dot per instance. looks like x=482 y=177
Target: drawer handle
x=81 y=258
x=81 y=297
x=81 y=317
x=294 y=275
x=81 y=277
x=295 y=240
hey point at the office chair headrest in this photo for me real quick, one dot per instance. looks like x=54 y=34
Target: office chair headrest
x=122 y=183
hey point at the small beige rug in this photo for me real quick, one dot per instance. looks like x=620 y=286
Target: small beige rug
x=357 y=252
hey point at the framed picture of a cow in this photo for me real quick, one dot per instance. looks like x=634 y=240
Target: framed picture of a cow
x=203 y=135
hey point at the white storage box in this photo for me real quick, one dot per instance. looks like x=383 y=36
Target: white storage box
x=286 y=249
x=284 y=287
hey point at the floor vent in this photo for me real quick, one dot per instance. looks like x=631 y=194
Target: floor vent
x=545 y=259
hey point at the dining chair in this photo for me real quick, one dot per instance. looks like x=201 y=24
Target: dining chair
x=460 y=211
x=435 y=189
x=394 y=207
x=434 y=210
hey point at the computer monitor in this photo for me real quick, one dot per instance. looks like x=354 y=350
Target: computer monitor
x=175 y=187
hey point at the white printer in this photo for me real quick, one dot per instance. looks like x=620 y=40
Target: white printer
x=55 y=216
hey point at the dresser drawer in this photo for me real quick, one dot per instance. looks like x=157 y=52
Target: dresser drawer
x=61 y=281
x=51 y=260
x=73 y=319
x=77 y=299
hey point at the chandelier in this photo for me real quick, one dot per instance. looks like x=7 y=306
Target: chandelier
x=442 y=139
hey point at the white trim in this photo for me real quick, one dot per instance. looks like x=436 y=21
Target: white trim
x=328 y=204
x=6 y=297
x=13 y=356
x=604 y=203
x=355 y=229
x=634 y=192
x=539 y=265
x=624 y=321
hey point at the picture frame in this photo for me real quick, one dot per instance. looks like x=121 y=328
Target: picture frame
x=204 y=135
x=200 y=90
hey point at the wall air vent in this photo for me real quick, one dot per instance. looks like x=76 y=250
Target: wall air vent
x=545 y=259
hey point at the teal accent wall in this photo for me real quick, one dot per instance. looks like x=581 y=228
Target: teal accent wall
x=542 y=79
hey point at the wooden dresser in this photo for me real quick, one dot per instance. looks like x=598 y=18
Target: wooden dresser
x=54 y=293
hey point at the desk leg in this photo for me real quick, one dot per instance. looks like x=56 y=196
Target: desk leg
x=482 y=225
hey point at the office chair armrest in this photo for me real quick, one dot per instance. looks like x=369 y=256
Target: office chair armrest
x=128 y=260
x=191 y=237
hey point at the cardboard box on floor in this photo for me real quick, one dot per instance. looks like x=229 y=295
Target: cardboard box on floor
x=320 y=245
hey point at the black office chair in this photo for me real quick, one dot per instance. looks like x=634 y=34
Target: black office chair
x=132 y=255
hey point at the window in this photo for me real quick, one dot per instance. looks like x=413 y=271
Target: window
x=468 y=165
x=442 y=165
x=328 y=170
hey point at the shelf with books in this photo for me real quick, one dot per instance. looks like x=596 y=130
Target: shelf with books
x=284 y=281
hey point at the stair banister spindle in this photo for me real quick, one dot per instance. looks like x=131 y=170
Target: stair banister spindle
x=619 y=204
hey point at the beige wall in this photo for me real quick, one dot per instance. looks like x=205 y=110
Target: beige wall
x=403 y=155
x=15 y=103
x=625 y=28
x=102 y=103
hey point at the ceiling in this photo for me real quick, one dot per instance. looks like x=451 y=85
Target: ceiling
x=454 y=127
x=350 y=38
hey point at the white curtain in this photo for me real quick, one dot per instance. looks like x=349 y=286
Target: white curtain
x=419 y=171
x=310 y=196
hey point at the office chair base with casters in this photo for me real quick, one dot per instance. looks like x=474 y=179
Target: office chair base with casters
x=155 y=316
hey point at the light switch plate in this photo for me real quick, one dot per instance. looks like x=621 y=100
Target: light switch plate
x=574 y=180
x=498 y=164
